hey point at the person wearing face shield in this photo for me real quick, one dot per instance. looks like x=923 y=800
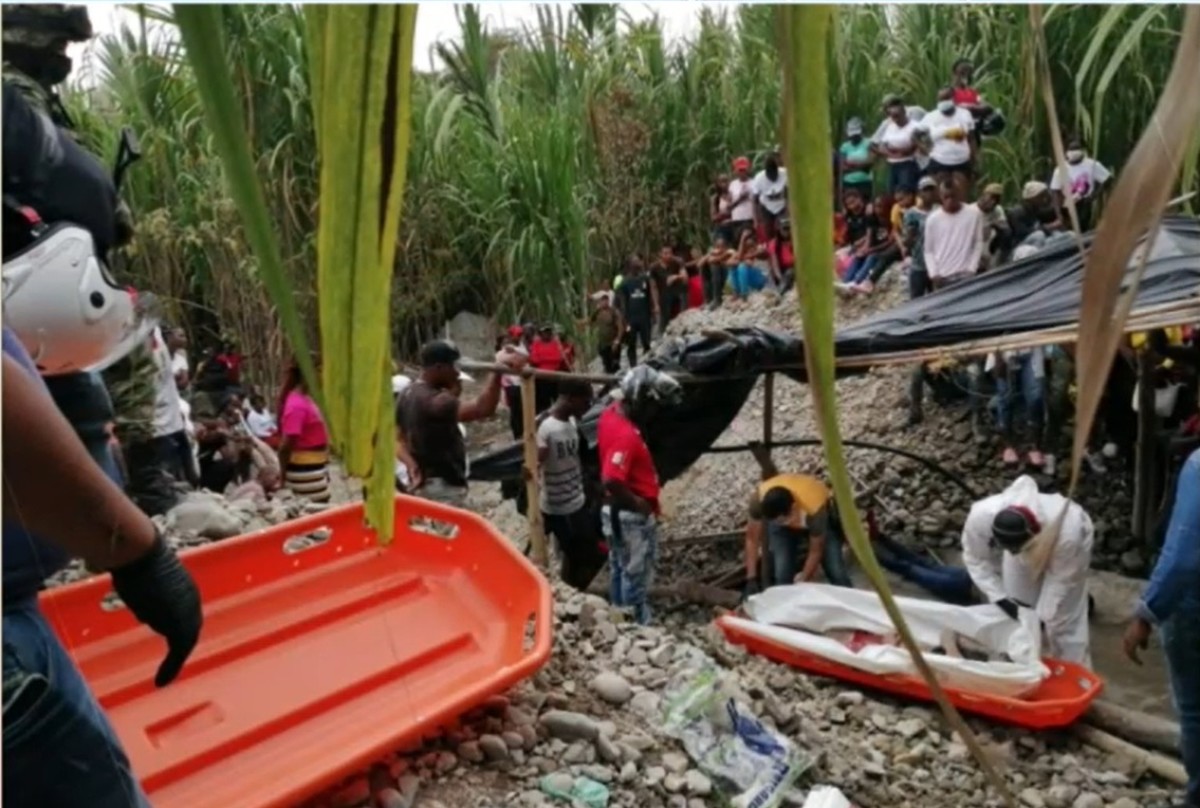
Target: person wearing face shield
x=629 y=517
x=1085 y=177
x=1016 y=558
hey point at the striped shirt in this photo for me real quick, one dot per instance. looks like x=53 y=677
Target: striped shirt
x=562 y=472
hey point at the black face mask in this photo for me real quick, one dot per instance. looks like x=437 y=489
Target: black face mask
x=44 y=67
x=772 y=170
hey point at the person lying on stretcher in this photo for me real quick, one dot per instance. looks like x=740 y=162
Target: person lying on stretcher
x=798 y=515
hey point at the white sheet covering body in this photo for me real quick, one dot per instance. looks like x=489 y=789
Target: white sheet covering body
x=798 y=616
x=1050 y=578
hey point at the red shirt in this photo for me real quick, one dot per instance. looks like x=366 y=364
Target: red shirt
x=784 y=253
x=624 y=456
x=966 y=96
x=545 y=355
x=695 y=292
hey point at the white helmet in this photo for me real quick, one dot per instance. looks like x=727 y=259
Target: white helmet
x=62 y=303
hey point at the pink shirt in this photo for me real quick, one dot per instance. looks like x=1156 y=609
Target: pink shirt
x=302 y=420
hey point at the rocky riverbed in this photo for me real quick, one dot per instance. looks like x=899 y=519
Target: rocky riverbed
x=594 y=715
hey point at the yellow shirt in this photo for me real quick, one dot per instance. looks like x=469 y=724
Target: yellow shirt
x=809 y=492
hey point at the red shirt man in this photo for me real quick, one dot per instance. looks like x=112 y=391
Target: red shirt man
x=625 y=459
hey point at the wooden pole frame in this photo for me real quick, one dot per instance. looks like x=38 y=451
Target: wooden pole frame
x=537 y=532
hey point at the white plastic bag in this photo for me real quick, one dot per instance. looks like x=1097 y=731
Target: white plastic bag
x=726 y=740
x=826 y=797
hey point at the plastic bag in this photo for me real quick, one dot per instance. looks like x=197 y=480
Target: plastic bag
x=826 y=797
x=726 y=740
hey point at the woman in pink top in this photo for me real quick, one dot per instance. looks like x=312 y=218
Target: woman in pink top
x=304 y=444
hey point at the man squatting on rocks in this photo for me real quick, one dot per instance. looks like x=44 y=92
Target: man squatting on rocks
x=59 y=749
x=795 y=511
x=629 y=518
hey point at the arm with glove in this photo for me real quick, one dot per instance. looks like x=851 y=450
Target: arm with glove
x=43 y=458
x=981 y=557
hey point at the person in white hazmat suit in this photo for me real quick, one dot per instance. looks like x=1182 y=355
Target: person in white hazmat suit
x=1016 y=559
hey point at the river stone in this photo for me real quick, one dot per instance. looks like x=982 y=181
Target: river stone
x=612 y=688
x=607 y=749
x=697 y=783
x=1088 y=800
x=675 y=762
x=1060 y=796
x=470 y=752
x=569 y=726
x=494 y=748
x=1032 y=798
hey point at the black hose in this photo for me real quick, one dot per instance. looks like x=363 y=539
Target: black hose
x=857 y=444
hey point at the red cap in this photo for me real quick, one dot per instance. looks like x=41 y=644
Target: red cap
x=741 y=163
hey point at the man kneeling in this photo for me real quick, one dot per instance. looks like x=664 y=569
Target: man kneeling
x=798 y=515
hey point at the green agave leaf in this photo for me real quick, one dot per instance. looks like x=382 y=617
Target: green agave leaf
x=804 y=30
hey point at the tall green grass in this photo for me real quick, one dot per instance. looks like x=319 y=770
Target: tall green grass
x=541 y=156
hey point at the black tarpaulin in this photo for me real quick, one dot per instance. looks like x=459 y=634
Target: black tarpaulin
x=1036 y=293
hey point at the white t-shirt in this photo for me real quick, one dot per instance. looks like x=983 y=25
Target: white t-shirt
x=771 y=195
x=942 y=130
x=179 y=362
x=743 y=212
x=261 y=424
x=953 y=242
x=168 y=414
x=898 y=137
x=562 y=472
x=1086 y=177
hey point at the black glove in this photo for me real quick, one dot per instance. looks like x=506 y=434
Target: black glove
x=161 y=594
x=1008 y=606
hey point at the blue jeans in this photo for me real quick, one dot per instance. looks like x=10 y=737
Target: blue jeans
x=918 y=283
x=860 y=268
x=747 y=279
x=944 y=582
x=903 y=176
x=788 y=548
x=59 y=749
x=632 y=553
x=1020 y=376
x=1181 y=645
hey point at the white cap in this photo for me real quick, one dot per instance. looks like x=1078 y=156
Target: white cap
x=1033 y=188
x=399 y=382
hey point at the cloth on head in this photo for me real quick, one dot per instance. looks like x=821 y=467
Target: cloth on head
x=41 y=25
x=854 y=127
x=1014 y=526
x=643 y=383
x=994 y=189
x=1032 y=189
x=926 y=182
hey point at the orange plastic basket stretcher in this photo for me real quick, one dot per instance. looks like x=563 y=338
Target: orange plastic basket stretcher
x=313 y=663
x=1062 y=698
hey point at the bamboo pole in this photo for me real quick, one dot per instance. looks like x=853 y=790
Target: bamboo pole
x=1143 y=475
x=1168 y=769
x=537 y=534
x=1144 y=730
x=768 y=409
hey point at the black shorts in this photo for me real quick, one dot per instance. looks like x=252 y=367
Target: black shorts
x=966 y=168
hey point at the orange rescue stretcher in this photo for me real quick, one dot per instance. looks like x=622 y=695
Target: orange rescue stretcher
x=1064 y=696
x=314 y=661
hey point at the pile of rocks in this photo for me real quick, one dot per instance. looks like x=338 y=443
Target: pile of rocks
x=596 y=712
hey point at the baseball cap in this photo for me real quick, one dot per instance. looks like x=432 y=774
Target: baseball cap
x=1033 y=188
x=892 y=100
x=439 y=352
x=994 y=189
x=740 y=163
x=854 y=126
x=926 y=182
